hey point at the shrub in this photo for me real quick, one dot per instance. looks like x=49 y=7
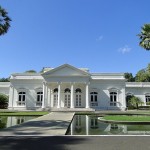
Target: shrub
x=3 y=101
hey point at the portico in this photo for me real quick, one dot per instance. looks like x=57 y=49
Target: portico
x=65 y=95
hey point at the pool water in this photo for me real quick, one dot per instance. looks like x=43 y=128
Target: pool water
x=8 y=121
x=91 y=125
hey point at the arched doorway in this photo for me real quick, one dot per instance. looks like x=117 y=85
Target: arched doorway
x=67 y=99
x=128 y=97
x=55 y=99
x=78 y=97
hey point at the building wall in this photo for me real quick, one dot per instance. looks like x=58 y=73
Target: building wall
x=28 y=86
x=103 y=88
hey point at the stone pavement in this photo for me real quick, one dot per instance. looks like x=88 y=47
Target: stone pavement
x=54 y=123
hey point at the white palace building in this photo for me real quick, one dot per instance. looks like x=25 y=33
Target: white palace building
x=68 y=88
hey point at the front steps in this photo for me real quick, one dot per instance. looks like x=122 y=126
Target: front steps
x=69 y=109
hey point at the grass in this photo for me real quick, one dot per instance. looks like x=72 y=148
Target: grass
x=23 y=113
x=131 y=118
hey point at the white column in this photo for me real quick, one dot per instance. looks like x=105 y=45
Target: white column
x=11 y=97
x=45 y=96
x=87 y=96
x=117 y=98
x=43 y=102
x=123 y=98
x=59 y=92
x=72 y=96
x=87 y=125
x=49 y=97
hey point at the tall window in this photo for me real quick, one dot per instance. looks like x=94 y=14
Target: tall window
x=78 y=97
x=113 y=99
x=39 y=98
x=21 y=98
x=67 y=97
x=55 y=99
x=147 y=99
x=94 y=101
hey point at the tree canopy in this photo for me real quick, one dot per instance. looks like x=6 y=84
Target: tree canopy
x=4 y=21
x=4 y=80
x=145 y=37
x=129 y=77
x=30 y=71
x=142 y=75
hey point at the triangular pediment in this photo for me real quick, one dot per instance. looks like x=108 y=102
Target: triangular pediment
x=66 y=70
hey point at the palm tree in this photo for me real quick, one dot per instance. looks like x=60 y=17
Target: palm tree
x=4 y=21
x=135 y=101
x=145 y=37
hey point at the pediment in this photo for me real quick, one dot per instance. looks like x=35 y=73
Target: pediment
x=66 y=70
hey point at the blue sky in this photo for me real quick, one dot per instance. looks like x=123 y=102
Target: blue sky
x=96 y=34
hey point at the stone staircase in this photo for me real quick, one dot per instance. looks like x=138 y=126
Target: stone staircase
x=70 y=109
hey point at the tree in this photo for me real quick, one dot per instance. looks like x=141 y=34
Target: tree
x=4 y=21
x=145 y=37
x=4 y=80
x=3 y=101
x=30 y=71
x=142 y=76
x=135 y=101
x=129 y=77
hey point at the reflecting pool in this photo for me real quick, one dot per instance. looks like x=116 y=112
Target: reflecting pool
x=90 y=125
x=8 y=121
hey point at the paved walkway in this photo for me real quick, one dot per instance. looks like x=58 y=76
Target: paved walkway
x=54 y=123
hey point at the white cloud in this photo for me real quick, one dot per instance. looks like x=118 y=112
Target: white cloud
x=125 y=49
x=99 y=38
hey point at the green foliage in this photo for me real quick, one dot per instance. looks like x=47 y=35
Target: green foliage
x=129 y=77
x=4 y=80
x=145 y=37
x=127 y=118
x=4 y=21
x=3 y=101
x=135 y=101
x=143 y=75
x=24 y=113
x=30 y=71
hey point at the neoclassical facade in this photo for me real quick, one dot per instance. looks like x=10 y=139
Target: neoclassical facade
x=68 y=88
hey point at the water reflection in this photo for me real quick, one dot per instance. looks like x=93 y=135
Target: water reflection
x=8 y=121
x=90 y=125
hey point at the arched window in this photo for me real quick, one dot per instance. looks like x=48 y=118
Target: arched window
x=128 y=97
x=78 y=90
x=55 y=90
x=67 y=90
x=94 y=98
x=21 y=98
x=113 y=98
x=39 y=98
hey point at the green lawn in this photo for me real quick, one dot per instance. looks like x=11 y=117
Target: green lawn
x=23 y=113
x=127 y=118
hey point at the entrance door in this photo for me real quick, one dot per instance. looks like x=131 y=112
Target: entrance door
x=78 y=100
x=67 y=100
x=55 y=100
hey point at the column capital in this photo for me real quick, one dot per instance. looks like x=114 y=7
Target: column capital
x=44 y=82
x=11 y=85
